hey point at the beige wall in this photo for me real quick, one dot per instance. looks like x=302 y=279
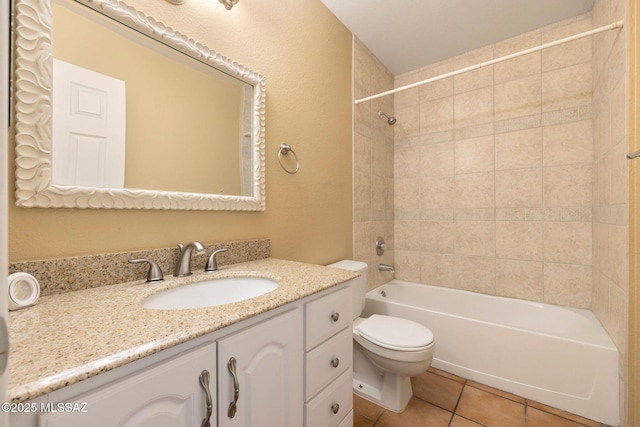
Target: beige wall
x=305 y=54
x=493 y=171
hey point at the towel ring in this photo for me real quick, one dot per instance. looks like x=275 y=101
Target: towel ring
x=285 y=149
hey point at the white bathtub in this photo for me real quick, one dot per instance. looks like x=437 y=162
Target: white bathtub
x=555 y=355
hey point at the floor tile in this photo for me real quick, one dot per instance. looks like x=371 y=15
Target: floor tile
x=563 y=414
x=360 y=421
x=417 y=414
x=490 y=409
x=366 y=408
x=538 y=418
x=496 y=391
x=458 y=421
x=447 y=375
x=438 y=390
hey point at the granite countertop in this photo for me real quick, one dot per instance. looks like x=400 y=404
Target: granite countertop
x=69 y=337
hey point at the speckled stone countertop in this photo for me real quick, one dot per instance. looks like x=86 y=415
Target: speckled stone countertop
x=69 y=337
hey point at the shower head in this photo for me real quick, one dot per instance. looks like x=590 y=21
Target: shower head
x=390 y=119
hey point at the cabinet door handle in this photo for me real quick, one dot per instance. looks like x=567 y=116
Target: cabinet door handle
x=204 y=382
x=236 y=387
x=335 y=408
x=335 y=362
x=335 y=316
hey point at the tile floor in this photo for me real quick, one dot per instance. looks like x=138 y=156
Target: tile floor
x=441 y=399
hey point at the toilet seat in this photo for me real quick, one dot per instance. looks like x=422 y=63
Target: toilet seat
x=395 y=333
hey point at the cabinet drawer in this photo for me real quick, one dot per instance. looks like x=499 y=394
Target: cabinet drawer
x=329 y=408
x=319 y=362
x=326 y=316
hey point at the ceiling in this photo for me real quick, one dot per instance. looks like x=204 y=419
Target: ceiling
x=408 y=34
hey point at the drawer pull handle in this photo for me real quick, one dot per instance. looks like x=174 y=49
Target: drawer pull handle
x=335 y=408
x=335 y=362
x=236 y=388
x=204 y=383
x=335 y=317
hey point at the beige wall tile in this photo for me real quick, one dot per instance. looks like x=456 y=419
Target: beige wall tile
x=520 y=149
x=521 y=240
x=477 y=274
x=436 y=192
x=567 y=185
x=406 y=237
x=475 y=155
x=440 y=88
x=408 y=123
x=475 y=190
x=437 y=236
x=518 y=98
x=568 y=144
x=407 y=161
x=436 y=159
x=521 y=188
x=476 y=79
x=567 y=284
x=407 y=265
x=438 y=269
x=568 y=242
x=568 y=54
x=476 y=238
x=566 y=87
x=519 y=279
x=406 y=193
x=436 y=115
x=473 y=108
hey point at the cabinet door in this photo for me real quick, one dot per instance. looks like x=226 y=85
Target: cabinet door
x=268 y=368
x=168 y=394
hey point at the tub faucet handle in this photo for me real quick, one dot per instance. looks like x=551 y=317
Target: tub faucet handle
x=212 y=264
x=155 y=272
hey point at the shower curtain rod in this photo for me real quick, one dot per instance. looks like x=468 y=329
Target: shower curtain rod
x=618 y=24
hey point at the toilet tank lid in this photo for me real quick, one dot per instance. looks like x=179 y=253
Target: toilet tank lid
x=350 y=265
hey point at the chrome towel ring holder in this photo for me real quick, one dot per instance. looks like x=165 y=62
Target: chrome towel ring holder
x=285 y=149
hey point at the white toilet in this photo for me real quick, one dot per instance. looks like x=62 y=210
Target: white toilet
x=387 y=350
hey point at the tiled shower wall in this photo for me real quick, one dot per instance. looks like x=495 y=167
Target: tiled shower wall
x=373 y=164
x=611 y=181
x=493 y=171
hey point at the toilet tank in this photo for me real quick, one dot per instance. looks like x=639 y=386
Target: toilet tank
x=358 y=285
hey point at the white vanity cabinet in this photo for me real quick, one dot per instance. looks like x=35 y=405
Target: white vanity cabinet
x=260 y=374
x=179 y=392
x=293 y=367
x=329 y=360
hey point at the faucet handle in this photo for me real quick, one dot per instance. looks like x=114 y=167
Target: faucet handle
x=155 y=272
x=212 y=264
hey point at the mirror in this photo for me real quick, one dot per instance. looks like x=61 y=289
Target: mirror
x=213 y=159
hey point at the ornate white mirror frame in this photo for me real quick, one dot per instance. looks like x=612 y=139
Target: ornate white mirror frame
x=33 y=76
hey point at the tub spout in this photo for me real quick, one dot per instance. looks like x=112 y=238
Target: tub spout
x=385 y=267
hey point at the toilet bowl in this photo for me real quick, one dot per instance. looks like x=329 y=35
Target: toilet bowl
x=387 y=350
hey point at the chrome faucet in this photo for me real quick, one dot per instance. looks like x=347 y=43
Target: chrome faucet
x=385 y=267
x=183 y=266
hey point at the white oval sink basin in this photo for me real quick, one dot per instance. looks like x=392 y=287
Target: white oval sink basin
x=210 y=293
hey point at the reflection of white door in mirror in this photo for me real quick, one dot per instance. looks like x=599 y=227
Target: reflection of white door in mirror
x=88 y=127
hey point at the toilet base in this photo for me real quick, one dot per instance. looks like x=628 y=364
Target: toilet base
x=392 y=392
